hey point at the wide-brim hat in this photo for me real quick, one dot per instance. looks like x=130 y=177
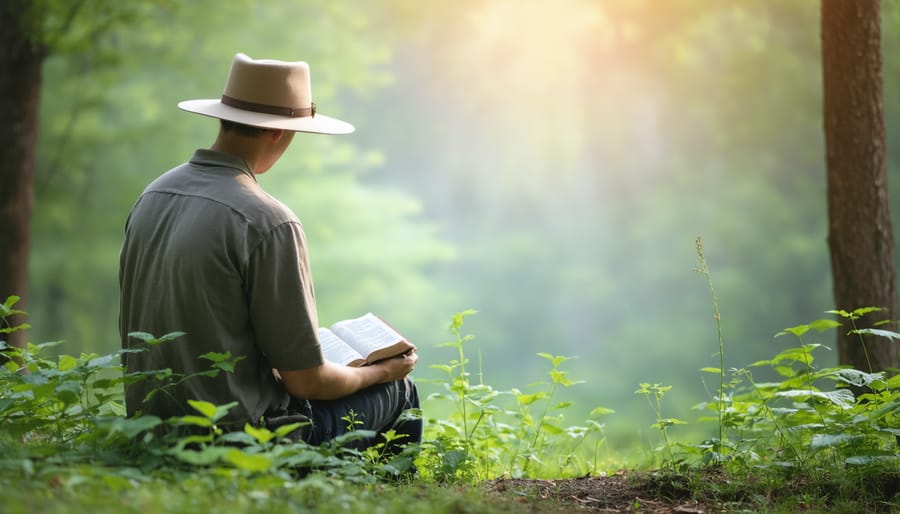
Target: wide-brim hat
x=269 y=94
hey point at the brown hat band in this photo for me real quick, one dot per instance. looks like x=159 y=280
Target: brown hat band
x=291 y=112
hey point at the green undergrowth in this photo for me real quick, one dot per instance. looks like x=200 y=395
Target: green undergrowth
x=85 y=489
x=816 y=438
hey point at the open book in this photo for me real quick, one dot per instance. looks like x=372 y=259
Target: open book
x=361 y=341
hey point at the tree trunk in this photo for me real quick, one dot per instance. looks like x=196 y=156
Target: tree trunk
x=20 y=84
x=860 y=236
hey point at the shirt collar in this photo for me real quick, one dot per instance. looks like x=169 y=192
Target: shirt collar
x=207 y=157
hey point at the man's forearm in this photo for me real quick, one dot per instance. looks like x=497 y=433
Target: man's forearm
x=330 y=381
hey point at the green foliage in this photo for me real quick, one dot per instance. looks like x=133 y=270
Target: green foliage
x=491 y=433
x=813 y=420
x=70 y=410
x=61 y=421
x=6 y=310
x=853 y=316
x=72 y=27
x=62 y=402
x=654 y=394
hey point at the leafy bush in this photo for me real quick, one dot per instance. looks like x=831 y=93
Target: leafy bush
x=812 y=421
x=71 y=410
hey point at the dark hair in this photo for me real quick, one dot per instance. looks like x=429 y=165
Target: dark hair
x=240 y=128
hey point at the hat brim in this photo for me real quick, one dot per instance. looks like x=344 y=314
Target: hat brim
x=317 y=124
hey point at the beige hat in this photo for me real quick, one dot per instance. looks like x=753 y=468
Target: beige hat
x=269 y=94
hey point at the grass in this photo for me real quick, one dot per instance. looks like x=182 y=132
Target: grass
x=83 y=490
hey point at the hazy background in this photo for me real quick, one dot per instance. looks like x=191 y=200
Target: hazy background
x=547 y=163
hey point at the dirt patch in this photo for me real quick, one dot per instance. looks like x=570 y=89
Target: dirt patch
x=709 y=491
x=619 y=492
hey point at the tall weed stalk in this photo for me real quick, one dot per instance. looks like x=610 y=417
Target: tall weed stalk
x=703 y=268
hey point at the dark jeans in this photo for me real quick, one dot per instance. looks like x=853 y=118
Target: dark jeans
x=377 y=408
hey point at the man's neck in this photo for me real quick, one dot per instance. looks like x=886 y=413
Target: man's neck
x=260 y=152
x=243 y=147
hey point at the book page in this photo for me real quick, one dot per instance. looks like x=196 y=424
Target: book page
x=338 y=351
x=369 y=334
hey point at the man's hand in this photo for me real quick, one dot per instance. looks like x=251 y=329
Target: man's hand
x=397 y=368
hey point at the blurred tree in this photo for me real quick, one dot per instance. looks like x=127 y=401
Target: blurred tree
x=21 y=57
x=34 y=30
x=860 y=234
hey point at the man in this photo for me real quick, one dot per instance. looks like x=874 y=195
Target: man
x=209 y=253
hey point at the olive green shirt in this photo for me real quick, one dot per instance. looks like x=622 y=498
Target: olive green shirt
x=209 y=253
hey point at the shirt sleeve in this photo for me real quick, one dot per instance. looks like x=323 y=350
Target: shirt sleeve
x=281 y=300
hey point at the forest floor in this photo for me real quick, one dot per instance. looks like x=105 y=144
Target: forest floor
x=619 y=492
x=708 y=492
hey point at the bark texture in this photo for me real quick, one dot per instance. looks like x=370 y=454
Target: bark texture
x=20 y=84
x=860 y=237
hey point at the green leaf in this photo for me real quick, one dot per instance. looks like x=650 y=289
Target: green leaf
x=661 y=424
x=798 y=331
x=195 y=421
x=211 y=412
x=785 y=371
x=223 y=361
x=799 y=354
x=262 y=435
x=216 y=356
x=551 y=429
x=862 y=311
x=66 y=362
x=203 y=407
x=458 y=319
x=711 y=370
x=143 y=336
x=6 y=309
x=16 y=328
x=150 y=339
x=856 y=313
x=103 y=362
x=863 y=460
x=130 y=427
x=202 y=457
x=820 y=441
x=171 y=336
x=284 y=430
x=841 y=397
x=601 y=411
x=821 y=325
x=555 y=360
x=877 y=332
x=528 y=399
x=856 y=377
x=562 y=378
x=6 y=403
x=69 y=392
